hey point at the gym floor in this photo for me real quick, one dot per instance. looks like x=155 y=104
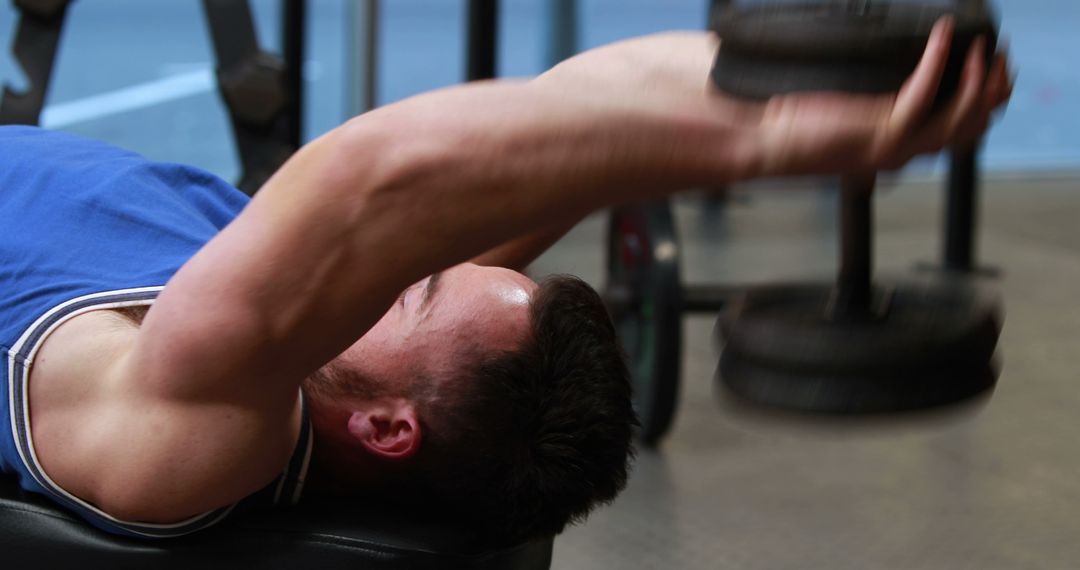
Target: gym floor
x=995 y=487
x=989 y=487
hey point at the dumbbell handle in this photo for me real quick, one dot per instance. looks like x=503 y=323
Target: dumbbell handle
x=853 y=284
x=861 y=6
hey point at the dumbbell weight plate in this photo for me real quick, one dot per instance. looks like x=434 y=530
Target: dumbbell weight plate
x=644 y=297
x=923 y=345
x=778 y=48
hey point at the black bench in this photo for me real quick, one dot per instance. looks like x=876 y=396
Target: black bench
x=36 y=533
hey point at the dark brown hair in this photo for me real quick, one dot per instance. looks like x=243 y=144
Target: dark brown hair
x=535 y=438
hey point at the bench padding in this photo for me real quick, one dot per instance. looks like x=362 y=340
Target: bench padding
x=33 y=531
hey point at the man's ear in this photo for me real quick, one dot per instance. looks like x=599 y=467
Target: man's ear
x=388 y=430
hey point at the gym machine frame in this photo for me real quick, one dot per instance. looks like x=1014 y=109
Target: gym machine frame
x=262 y=92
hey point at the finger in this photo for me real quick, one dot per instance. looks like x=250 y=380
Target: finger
x=963 y=110
x=1003 y=82
x=997 y=84
x=972 y=117
x=1009 y=89
x=965 y=105
x=917 y=95
x=1010 y=83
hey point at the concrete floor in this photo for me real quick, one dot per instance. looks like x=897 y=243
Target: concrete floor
x=994 y=487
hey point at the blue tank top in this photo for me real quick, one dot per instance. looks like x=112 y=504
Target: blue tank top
x=87 y=226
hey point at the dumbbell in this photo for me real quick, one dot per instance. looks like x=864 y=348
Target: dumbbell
x=854 y=346
x=262 y=91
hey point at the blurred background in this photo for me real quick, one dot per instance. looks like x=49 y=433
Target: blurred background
x=998 y=489
x=140 y=74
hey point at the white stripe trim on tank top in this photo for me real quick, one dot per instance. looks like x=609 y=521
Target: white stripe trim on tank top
x=15 y=350
x=300 y=477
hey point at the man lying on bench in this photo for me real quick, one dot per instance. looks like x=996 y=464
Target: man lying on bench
x=175 y=351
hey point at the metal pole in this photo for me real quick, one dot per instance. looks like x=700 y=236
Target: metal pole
x=34 y=48
x=361 y=56
x=715 y=10
x=293 y=26
x=482 y=39
x=856 y=247
x=562 y=30
x=960 y=209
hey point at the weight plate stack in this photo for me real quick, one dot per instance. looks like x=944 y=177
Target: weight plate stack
x=644 y=296
x=922 y=346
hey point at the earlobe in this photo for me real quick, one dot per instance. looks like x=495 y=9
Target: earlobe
x=390 y=431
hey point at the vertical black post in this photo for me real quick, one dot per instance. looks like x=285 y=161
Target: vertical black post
x=293 y=27
x=960 y=209
x=715 y=9
x=257 y=88
x=35 y=46
x=563 y=27
x=716 y=195
x=482 y=39
x=856 y=247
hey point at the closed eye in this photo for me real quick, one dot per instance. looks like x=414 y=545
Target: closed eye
x=405 y=294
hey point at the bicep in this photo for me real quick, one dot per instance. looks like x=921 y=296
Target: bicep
x=284 y=288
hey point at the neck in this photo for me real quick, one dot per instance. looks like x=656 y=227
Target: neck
x=339 y=466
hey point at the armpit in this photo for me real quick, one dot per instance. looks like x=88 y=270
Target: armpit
x=134 y=314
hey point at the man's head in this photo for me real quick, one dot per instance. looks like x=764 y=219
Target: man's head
x=508 y=401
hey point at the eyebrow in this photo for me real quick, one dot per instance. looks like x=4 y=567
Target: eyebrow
x=429 y=291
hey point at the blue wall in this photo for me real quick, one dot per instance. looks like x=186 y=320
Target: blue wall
x=137 y=73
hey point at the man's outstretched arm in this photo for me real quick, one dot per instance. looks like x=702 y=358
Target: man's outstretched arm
x=354 y=217
x=359 y=214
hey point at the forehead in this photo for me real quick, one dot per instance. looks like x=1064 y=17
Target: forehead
x=487 y=305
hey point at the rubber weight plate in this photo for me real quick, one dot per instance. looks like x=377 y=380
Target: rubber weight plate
x=857 y=47
x=644 y=296
x=925 y=345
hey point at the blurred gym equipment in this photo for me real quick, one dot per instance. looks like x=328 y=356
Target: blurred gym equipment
x=853 y=346
x=263 y=93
